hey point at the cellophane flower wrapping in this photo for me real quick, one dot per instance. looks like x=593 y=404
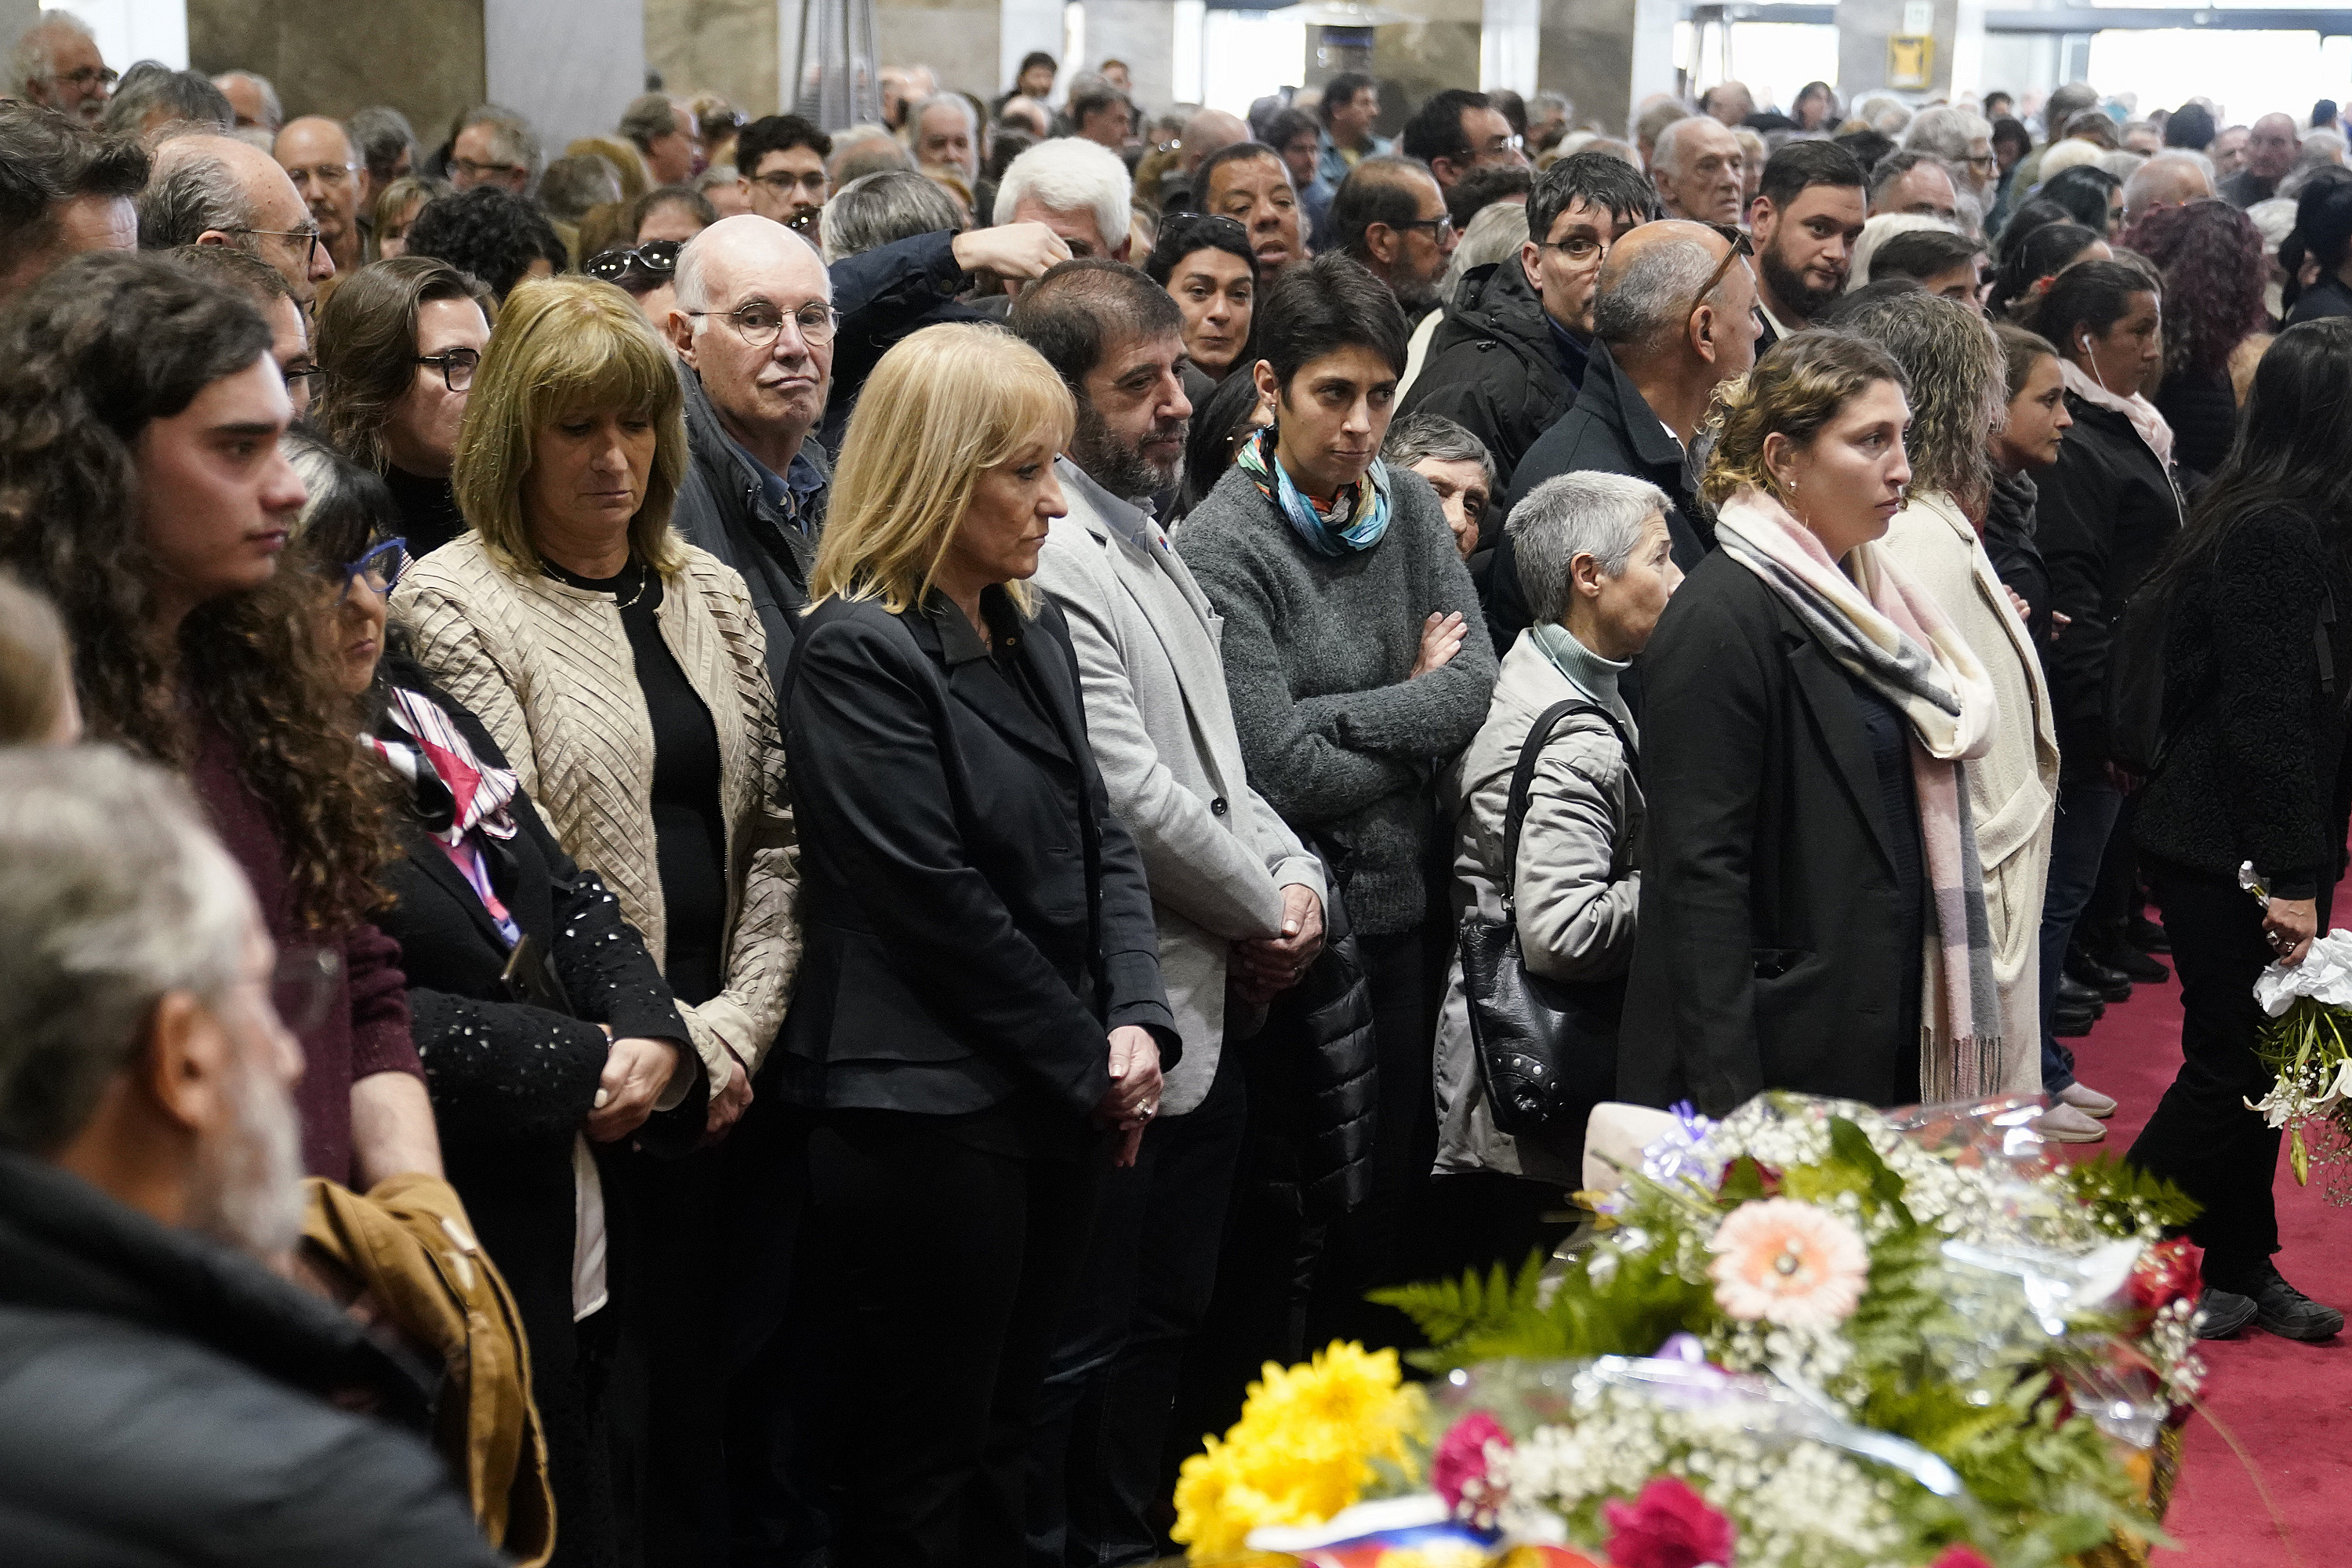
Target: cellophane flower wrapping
x=2308 y=1048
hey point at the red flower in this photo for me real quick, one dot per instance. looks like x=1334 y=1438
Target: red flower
x=2168 y=1272
x=1461 y=1461
x=1668 y=1526
x=1959 y=1557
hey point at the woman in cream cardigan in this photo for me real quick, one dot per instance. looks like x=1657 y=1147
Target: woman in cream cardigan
x=1958 y=383
x=622 y=672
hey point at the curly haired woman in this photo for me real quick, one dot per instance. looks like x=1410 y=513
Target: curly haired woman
x=141 y=489
x=2210 y=255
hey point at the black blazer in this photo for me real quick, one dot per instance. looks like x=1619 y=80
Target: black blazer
x=1768 y=953
x=967 y=938
x=510 y=1081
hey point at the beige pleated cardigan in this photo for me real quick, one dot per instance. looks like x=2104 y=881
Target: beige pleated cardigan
x=547 y=668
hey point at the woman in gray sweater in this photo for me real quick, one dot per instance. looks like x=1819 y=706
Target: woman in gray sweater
x=1359 y=664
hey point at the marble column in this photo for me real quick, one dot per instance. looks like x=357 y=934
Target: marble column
x=423 y=57
x=732 y=48
x=1864 y=25
x=1437 y=49
x=957 y=38
x=568 y=66
x=1607 y=55
x=1144 y=34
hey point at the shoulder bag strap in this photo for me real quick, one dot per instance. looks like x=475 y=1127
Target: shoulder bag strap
x=1523 y=778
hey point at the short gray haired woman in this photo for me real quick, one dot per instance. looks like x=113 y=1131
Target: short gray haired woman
x=1596 y=559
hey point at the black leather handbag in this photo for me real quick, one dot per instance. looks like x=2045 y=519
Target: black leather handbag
x=1546 y=1048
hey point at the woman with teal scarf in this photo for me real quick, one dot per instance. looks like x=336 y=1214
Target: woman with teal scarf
x=1595 y=558
x=1357 y=664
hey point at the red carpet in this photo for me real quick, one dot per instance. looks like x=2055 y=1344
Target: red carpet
x=2289 y=1405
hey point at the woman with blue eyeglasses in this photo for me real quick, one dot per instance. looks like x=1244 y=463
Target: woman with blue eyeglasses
x=548 y=1035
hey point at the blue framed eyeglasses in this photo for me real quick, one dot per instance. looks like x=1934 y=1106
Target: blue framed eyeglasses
x=380 y=568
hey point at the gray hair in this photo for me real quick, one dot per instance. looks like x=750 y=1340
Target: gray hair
x=1425 y=437
x=35 y=58
x=146 y=87
x=1664 y=150
x=1946 y=132
x=571 y=186
x=512 y=141
x=953 y=99
x=650 y=117
x=864 y=150
x=1652 y=294
x=1585 y=513
x=379 y=134
x=273 y=113
x=1070 y=175
x=1494 y=235
x=112 y=893
x=874 y=210
x=188 y=195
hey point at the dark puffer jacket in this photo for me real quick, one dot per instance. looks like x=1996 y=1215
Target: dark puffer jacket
x=1319 y=1094
x=2255 y=770
x=1495 y=368
x=165 y=1400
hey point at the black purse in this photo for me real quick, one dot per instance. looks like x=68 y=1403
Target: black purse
x=1546 y=1050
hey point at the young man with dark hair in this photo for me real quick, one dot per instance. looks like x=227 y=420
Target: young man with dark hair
x=1351 y=106
x=1941 y=262
x=1236 y=898
x=1805 y=219
x=1102 y=114
x=1510 y=355
x=780 y=168
x=64 y=189
x=1391 y=217
x=1458 y=130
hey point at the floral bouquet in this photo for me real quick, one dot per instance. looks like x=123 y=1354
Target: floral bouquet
x=2305 y=1047
x=1846 y=1339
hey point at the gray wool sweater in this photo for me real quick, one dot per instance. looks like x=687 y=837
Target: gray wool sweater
x=1318 y=654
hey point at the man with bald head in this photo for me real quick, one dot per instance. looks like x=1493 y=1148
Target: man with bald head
x=217 y=190
x=753 y=325
x=317 y=155
x=1675 y=317
x=2271 y=149
x=2167 y=180
x=1699 y=169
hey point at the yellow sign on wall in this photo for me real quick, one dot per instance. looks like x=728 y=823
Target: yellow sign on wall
x=1910 y=62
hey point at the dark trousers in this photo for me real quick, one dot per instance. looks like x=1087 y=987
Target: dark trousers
x=2087 y=809
x=948 y=1268
x=1104 y=1413
x=1389 y=1240
x=2202 y=1136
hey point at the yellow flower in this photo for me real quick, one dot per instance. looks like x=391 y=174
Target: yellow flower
x=1451 y=1555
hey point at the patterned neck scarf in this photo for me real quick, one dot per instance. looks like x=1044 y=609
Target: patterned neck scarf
x=455 y=793
x=1355 y=519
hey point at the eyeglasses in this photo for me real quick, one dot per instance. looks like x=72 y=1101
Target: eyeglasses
x=302 y=986
x=653 y=256
x=1439 y=227
x=1741 y=246
x=1987 y=160
x=1501 y=144
x=293 y=374
x=456 y=366
x=324 y=174
x=759 y=324
x=474 y=171
x=380 y=568
x=1581 y=249
x=783 y=182
x=310 y=237
x=88 y=77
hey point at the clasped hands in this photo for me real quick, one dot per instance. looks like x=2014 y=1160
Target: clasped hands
x=1263 y=967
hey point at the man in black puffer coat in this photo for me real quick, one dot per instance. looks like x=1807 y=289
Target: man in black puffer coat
x=164 y=1397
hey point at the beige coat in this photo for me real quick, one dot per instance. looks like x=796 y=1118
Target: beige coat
x=546 y=667
x=2012 y=788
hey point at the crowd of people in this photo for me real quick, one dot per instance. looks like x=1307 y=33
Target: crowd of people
x=863 y=759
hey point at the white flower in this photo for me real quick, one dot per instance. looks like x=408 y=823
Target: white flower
x=2325 y=975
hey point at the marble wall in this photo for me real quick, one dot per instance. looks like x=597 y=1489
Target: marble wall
x=728 y=46
x=423 y=57
x=959 y=39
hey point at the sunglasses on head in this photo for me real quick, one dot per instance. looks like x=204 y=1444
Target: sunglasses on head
x=658 y=257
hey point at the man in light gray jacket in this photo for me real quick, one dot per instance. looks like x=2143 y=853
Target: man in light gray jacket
x=1237 y=897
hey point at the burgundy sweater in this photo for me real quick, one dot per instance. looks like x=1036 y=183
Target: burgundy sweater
x=366 y=1028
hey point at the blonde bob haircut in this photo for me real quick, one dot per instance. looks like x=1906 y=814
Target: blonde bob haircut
x=942 y=407
x=1794 y=391
x=565 y=347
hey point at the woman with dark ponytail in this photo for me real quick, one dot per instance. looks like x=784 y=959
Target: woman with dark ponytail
x=2322 y=235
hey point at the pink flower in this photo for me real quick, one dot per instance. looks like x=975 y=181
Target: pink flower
x=1668 y=1526
x=1458 y=1469
x=1789 y=1263
x=1959 y=1557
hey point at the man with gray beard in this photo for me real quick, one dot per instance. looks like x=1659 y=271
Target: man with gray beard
x=164 y=1395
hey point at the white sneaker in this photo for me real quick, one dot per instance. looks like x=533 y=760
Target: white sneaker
x=2087 y=1100
x=2062 y=1123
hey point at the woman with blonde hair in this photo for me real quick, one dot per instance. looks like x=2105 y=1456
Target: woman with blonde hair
x=622 y=673
x=1808 y=707
x=980 y=1023
x=1958 y=375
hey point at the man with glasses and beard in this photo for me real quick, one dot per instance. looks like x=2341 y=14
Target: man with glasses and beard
x=1237 y=899
x=1806 y=216
x=1389 y=215
x=163 y=1394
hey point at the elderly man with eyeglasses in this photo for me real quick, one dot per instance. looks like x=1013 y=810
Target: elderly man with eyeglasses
x=317 y=155
x=208 y=189
x=57 y=64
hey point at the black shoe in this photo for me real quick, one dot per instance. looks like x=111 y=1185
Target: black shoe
x=2224 y=1314
x=2073 y=996
x=2287 y=1311
x=2146 y=935
x=2069 y=1025
x=2112 y=984
x=2117 y=954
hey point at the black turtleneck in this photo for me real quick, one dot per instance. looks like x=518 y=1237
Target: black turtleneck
x=428 y=510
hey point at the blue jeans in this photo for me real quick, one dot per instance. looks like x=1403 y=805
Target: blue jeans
x=2086 y=820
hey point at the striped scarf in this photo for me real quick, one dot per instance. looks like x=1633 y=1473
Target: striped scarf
x=1889 y=633
x=1354 y=520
